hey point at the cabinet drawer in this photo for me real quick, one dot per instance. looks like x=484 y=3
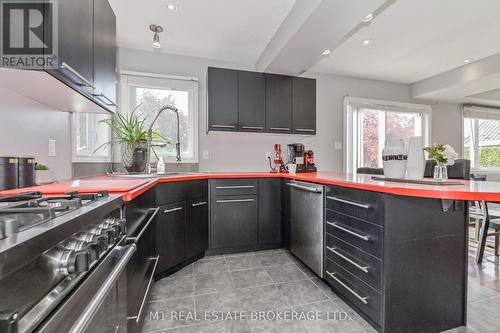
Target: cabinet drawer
x=233 y=186
x=356 y=291
x=181 y=191
x=360 y=264
x=358 y=233
x=364 y=205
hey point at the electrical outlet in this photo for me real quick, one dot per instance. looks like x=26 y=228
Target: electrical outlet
x=338 y=145
x=206 y=155
x=268 y=155
x=52 y=148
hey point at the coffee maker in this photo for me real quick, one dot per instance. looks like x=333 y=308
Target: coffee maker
x=296 y=155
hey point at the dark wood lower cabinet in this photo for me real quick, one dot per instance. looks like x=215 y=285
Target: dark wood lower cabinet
x=269 y=210
x=196 y=227
x=171 y=235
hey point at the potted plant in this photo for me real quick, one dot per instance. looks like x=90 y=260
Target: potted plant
x=444 y=155
x=130 y=131
x=43 y=174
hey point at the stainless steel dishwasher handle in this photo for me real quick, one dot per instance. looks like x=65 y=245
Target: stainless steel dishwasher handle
x=91 y=309
x=361 y=298
x=234 y=200
x=172 y=210
x=146 y=225
x=78 y=75
x=350 y=232
x=348 y=202
x=352 y=262
x=305 y=188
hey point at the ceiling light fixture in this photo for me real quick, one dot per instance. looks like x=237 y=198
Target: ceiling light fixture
x=468 y=60
x=172 y=7
x=326 y=52
x=368 y=18
x=156 y=37
x=367 y=42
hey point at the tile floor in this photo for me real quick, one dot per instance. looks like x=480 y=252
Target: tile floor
x=276 y=283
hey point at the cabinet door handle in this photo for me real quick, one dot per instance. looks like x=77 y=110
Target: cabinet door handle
x=172 y=210
x=223 y=126
x=305 y=130
x=352 y=262
x=253 y=127
x=199 y=204
x=279 y=128
x=101 y=96
x=348 y=202
x=78 y=75
x=305 y=188
x=233 y=187
x=355 y=234
x=361 y=298
x=234 y=200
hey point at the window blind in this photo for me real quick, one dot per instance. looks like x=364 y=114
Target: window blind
x=480 y=112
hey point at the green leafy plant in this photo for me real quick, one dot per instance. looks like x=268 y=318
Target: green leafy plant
x=443 y=154
x=130 y=129
x=41 y=167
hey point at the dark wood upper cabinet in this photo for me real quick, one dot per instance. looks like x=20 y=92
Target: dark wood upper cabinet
x=278 y=103
x=304 y=105
x=222 y=99
x=105 y=54
x=252 y=101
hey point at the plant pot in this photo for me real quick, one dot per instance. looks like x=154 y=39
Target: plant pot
x=394 y=159
x=44 y=177
x=415 y=166
x=134 y=157
x=440 y=172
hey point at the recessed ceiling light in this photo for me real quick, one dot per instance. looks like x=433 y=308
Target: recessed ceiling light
x=368 y=18
x=367 y=42
x=172 y=7
x=326 y=52
x=468 y=60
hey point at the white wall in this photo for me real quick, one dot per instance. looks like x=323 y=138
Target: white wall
x=25 y=128
x=447 y=125
x=246 y=151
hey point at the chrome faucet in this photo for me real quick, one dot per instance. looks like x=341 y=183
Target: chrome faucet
x=150 y=136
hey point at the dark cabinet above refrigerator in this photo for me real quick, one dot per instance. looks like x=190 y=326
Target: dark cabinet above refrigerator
x=243 y=101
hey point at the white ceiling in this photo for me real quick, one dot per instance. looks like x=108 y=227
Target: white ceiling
x=233 y=30
x=416 y=39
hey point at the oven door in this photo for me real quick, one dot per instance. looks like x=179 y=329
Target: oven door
x=141 y=269
x=98 y=304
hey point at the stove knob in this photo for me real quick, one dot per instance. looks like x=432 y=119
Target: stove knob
x=119 y=224
x=108 y=235
x=71 y=262
x=85 y=245
x=111 y=226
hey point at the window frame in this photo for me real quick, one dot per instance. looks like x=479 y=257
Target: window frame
x=484 y=170
x=90 y=157
x=160 y=81
x=350 y=131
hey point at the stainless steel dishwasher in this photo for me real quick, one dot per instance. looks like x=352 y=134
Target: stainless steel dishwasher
x=306 y=224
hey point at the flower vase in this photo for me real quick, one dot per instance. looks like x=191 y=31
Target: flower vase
x=394 y=159
x=440 y=172
x=415 y=167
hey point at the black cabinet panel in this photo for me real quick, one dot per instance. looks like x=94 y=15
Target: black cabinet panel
x=233 y=221
x=222 y=99
x=278 y=103
x=285 y=212
x=105 y=54
x=181 y=191
x=304 y=105
x=171 y=235
x=252 y=101
x=196 y=227
x=365 y=205
x=235 y=186
x=269 y=211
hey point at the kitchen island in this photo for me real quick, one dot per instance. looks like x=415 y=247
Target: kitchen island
x=396 y=253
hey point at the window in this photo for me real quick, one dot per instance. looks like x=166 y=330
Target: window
x=481 y=139
x=150 y=93
x=369 y=123
x=89 y=135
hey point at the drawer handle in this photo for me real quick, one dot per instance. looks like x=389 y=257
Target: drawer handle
x=305 y=130
x=352 y=203
x=361 y=298
x=352 y=262
x=234 y=200
x=223 y=126
x=233 y=187
x=172 y=210
x=253 y=127
x=199 y=204
x=355 y=234
x=279 y=128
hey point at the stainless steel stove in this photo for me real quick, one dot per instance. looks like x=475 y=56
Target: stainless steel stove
x=57 y=253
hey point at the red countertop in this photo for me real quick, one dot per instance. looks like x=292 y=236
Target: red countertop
x=132 y=188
